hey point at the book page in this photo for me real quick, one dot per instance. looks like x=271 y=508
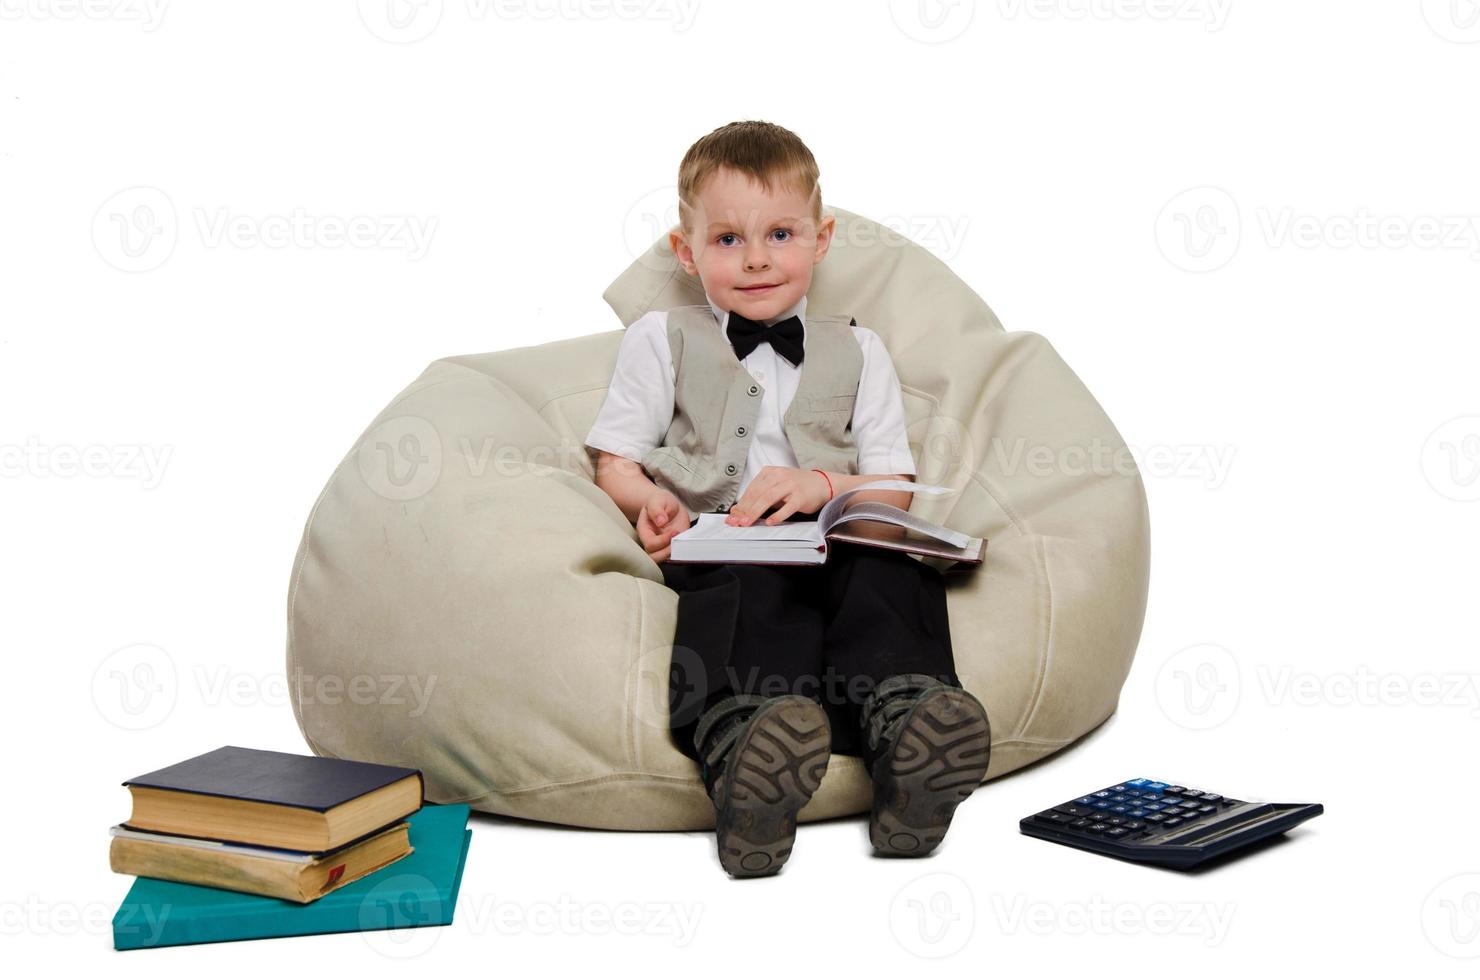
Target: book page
x=873 y=510
x=712 y=527
x=828 y=516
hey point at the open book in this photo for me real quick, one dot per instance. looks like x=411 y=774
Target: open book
x=805 y=542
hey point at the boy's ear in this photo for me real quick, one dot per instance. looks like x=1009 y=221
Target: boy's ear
x=678 y=243
x=825 y=229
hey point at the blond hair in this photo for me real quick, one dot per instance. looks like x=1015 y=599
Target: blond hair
x=763 y=151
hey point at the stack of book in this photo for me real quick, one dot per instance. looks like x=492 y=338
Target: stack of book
x=269 y=823
x=243 y=843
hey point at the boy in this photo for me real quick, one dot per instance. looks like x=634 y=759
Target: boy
x=755 y=406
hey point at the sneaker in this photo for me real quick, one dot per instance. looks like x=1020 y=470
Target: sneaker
x=763 y=760
x=933 y=743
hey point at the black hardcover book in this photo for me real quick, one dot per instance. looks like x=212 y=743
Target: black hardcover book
x=281 y=778
x=273 y=799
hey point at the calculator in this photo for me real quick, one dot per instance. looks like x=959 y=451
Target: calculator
x=1163 y=823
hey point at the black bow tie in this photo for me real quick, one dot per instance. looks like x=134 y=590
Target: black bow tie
x=784 y=335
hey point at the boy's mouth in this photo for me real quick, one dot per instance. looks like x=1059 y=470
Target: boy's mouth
x=758 y=289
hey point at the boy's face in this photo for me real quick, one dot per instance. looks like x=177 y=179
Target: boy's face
x=753 y=251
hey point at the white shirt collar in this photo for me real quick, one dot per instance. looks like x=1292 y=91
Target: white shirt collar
x=797 y=309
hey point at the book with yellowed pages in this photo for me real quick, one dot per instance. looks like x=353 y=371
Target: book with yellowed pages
x=298 y=876
x=273 y=799
x=805 y=542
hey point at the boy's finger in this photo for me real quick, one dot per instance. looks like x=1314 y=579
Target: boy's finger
x=786 y=511
x=766 y=502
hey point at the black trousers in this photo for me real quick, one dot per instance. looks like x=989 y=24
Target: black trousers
x=830 y=632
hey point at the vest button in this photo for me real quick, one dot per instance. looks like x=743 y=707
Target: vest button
x=740 y=430
x=753 y=390
x=729 y=469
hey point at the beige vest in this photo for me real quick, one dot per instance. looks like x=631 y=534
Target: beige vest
x=716 y=402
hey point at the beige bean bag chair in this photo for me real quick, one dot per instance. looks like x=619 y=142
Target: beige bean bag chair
x=465 y=600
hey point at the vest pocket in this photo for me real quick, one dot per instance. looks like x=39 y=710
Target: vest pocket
x=830 y=403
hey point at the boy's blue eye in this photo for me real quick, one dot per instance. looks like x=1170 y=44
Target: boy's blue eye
x=779 y=235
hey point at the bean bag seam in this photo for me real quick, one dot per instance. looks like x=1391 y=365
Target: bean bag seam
x=850 y=762
x=1045 y=636
x=629 y=730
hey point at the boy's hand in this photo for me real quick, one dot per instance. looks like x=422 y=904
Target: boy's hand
x=661 y=517
x=794 y=490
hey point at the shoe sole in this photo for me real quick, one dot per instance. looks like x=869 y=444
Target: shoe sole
x=939 y=758
x=778 y=763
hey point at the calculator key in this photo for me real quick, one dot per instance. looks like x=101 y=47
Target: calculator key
x=1207 y=808
x=1154 y=818
x=1137 y=813
x=1192 y=794
x=1137 y=783
x=1098 y=828
x=1115 y=821
x=1085 y=800
x=1103 y=804
x=1211 y=798
x=1134 y=825
x=1074 y=811
x=1118 y=789
x=1081 y=823
x=1156 y=787
x=1116 y=832
x=1119 y=798
x=1119 y=808
x=1172 y=822
x=1053 y=816
x=1152 y=807
x=1176 y=789
x=1174 y=811
x=1103 y=793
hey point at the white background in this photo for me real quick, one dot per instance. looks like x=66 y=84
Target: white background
x=1247 y=226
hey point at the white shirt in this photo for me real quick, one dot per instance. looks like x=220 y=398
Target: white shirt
x=639 y=404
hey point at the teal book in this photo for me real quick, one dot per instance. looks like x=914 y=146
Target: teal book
x=418 y=890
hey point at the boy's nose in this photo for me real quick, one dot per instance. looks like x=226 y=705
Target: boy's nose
x=756 y=261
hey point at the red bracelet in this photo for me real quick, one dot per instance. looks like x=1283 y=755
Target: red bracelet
x=829 y=482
